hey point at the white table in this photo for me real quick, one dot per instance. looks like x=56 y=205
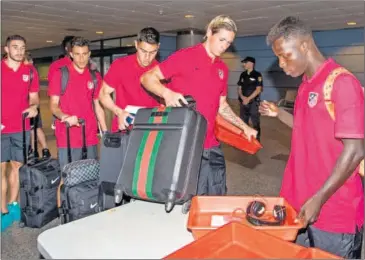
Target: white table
x=135 y=230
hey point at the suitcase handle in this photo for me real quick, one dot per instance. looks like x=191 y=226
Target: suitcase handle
x=191 y=102
x=24 y=116
x=25 y=154
x=84 y=149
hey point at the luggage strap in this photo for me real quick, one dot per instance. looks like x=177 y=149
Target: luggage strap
x=144 y=167
x=330 y=105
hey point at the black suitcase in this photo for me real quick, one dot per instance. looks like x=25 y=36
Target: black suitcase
x=39 y=179
x=163 y=156
x=80 y=189
x=112 y=154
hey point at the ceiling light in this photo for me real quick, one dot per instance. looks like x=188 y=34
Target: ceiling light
x=99 y=32
x=189 y=16
x=49 y=41
x=351 y=23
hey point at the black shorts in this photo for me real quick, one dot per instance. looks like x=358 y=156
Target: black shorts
x=340 y=244
x=212 y=175
x=12 y=146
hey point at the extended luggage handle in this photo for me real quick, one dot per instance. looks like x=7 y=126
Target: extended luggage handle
x=25 y=154
x=84 y=149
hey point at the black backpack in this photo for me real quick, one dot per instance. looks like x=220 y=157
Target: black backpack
x=65 y=75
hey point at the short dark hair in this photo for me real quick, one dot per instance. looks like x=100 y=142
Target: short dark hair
x=149 y=35
x=80 y=41
x=287 y=28
x=15 y=37
x=67 y=40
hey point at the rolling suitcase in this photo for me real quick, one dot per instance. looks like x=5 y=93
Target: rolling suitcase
x=112 y=154
x=163 y=156
x=39 y=179
x=80 y=187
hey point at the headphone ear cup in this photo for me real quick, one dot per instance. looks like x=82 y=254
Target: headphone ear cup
x=258 y=208
x=279 y=213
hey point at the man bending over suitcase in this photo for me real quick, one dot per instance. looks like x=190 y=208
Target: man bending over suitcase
x=19 y=95
x=123 y=79
x=79 y=101
x=198 y=71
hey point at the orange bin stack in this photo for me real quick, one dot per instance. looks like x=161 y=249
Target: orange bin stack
x=238 y=241
x=221 y=230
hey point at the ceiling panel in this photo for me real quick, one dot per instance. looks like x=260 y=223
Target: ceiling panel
x=300 y=7
x=52 y=20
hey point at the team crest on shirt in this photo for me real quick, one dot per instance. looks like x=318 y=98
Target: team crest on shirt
x=312 y=99
x=25 y=78
x=90 y=85
x=220 y=74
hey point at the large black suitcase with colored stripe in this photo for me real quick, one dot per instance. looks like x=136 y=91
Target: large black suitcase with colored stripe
x=163 y=156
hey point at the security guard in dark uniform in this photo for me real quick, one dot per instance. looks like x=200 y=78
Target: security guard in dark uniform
x=250 y=86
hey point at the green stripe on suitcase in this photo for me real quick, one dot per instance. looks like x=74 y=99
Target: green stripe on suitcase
x=153 y=157
x=151 y=168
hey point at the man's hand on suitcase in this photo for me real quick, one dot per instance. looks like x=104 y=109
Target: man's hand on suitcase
x=32 y=111
x=122 y=119
x=173 y=99
x=71 y=120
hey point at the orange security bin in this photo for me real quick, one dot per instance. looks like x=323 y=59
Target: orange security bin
x=207 y=213
x=233 y=136
x=238 y=241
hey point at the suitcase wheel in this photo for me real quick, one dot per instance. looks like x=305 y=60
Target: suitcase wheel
x=63 y=218
x=186 y=207
x=169 y=205
x=21 y=224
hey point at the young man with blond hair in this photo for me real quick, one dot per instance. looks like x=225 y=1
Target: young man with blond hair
x=198 y=71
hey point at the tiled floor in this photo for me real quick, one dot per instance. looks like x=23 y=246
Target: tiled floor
x=258 y=174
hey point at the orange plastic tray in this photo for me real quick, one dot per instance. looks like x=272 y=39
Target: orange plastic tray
x=207 y=213
x=235 y=240
x=233 y=136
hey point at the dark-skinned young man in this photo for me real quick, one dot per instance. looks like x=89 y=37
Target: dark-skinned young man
x=321 y=178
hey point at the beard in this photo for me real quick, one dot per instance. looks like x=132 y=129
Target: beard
x=17 y=58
